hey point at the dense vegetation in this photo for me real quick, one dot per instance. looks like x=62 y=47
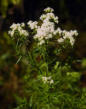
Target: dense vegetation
x=12 y=76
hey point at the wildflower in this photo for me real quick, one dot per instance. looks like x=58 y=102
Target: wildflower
x=43 y=16
x=44 y=79
x=51 y=82
x=58 y=31
x=48 y=80
x=22 y=25
x=48 y=9
x=68 y=35
x=41 y=42
x=46 y=30
x=49 y=16
x=24 y=33
x=11 y=33
x=60 y=40
x=19 y=28
x=32 y=25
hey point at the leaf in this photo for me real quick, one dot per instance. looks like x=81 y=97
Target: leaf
x=31 y=101
x=56 y=66
x=18 y=59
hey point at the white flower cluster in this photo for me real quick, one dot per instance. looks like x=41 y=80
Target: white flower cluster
x=44 y=32
x=58 y=31
x=47 y=28
x=19 y=28
x=47 y=80
x=32 y=25
x=68 y=35
x=49 y=16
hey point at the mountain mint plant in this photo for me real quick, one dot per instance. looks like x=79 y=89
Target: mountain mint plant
x=50 y=82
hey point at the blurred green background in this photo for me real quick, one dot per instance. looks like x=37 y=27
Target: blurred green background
x=72 y=15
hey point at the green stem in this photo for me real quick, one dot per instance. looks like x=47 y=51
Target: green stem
x=33 y=63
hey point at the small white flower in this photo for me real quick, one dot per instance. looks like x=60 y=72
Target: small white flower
x=50 y=36
x=48 y=16
x=51 y=82
x=60 y=40
x=43 y=16
x=44 y=79
x=41 y=42
x=48 y=9
x=11 y=33
x=48 y=80
x=24 y=32
x=58 y=31
x=32 y=25
x=19 y=28
x=22 y=24
x=68 y=35
x=56 y=19
x=14 y=26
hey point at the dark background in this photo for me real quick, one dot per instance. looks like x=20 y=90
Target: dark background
x=67 y=10
x=72 y=15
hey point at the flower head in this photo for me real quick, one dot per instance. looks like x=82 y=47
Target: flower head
x=19 y=28
x=48 y=80
x=48 y=9
x=32 y=25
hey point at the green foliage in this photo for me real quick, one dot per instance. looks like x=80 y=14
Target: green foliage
x=9 y=71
